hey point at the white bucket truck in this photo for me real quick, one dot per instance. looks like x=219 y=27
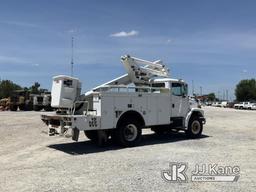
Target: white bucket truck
x=120 y=111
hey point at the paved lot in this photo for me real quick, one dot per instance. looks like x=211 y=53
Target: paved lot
x=32 y=161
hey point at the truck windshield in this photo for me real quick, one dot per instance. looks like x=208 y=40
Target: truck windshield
x=176 y=89
x=179 y=89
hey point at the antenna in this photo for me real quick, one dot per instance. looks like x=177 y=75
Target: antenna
x=72 y=56
x=193 y=91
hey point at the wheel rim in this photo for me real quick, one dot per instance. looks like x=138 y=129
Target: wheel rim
x=195 y=127
x=130 y=132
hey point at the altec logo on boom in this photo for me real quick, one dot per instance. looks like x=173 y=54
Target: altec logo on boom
x=201 y=173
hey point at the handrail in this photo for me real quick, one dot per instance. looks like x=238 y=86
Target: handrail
x=76 y=102
x=127 y=88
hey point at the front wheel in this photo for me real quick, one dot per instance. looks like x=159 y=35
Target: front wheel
x=195 y=128
x=128 y=133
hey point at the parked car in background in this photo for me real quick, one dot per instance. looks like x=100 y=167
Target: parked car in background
x=224 y=104
x=249 y=106
x=253 y=107
x=208 y=103
x=194 y=103
x=243 y=105
x=240 y=105
x=218 y=104
x=214 y=104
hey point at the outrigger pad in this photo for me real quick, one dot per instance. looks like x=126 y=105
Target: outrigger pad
x=75 y=134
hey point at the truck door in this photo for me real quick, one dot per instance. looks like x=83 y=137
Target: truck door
x=179 y=99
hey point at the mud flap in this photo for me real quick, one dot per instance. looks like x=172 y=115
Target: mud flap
x=102 y=137
x=75 y=134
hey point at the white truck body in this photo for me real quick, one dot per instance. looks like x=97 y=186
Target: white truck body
x=65 y=90
x=164 y=102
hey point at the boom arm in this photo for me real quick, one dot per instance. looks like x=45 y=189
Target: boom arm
x=139 y=72
x=122 y=80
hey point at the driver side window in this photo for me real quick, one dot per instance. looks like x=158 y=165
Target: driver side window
x=179 y=89
x=176 y=89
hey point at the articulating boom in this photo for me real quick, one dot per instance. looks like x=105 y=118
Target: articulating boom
x=139 y=72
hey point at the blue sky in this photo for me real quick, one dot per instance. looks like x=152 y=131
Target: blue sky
x=210 y=42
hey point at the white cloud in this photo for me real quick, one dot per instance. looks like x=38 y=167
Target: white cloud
x=72 y=31
x=125 y=34
x=16 y=60
x=35 y=65
x=20 y=24
x=7 y=59
x=169 y=41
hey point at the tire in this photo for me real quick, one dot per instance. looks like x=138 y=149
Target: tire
x=195 y=128
x=22 y=107
x=128 y=133
x=36 y=108
x=28 y=107
x=92 y=135
x=48 y=108
x=13 y=107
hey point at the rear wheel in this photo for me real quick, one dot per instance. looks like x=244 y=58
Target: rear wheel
x=128 y=133
x=22 y=107
x=28 y=107
x=48 y=108
x=92 y=135
x=195 y=127
x=13 y=107
x=37 y=108
x=98 y=136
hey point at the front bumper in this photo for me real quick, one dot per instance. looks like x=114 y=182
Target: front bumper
x=203 y=120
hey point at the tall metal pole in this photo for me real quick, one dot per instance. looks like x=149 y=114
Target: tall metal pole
x=72 y=56
x=193 y=91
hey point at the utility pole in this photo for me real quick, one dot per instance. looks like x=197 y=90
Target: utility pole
x=227 y=94
x=201 y=90
x=193 y=90
x=72 y=56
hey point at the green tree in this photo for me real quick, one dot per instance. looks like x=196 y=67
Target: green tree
x=211 y=97
x=246 y=90
x=35 y=88
x=7 y=87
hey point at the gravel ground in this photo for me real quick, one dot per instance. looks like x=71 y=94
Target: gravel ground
x=32 y=161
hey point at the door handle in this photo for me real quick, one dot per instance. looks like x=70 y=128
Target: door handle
x=173 y=105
